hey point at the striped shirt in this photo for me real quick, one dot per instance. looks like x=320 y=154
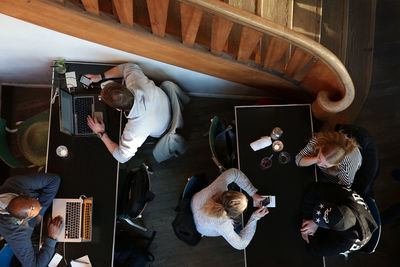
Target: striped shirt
x=346 y=169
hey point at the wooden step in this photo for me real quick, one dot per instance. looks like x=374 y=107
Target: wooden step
x=124 y=9
x=190 y=22
x=158 y=12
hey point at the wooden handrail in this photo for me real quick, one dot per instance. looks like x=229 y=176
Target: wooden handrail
x=322 y=102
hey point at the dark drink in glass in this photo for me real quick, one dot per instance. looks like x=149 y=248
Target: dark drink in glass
x=266 y=163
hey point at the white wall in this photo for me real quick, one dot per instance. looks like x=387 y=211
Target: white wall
x=27 y=52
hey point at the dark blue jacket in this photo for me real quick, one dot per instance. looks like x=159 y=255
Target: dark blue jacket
x=41 y=186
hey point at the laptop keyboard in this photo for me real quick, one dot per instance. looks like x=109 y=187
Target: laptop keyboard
x=72 y=220
x=83 y=108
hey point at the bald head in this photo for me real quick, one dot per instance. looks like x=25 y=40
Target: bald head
x=23 y=207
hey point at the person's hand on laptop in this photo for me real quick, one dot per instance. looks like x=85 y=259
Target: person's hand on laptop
x=97 y=126
x=54 y=227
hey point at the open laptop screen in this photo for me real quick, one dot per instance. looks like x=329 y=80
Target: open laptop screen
x=66 y=113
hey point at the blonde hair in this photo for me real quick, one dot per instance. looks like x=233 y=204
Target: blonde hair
x=227 y=204
x=334 y=146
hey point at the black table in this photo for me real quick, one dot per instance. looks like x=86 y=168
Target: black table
x=89 y=170
x=277 y=241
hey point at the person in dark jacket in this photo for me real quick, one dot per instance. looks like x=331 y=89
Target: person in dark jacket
x=336 y=220
x=23 y=202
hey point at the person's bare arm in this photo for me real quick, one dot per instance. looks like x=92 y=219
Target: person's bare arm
x=110 y=144
x=97 y=127
x=111 y=73
x=307 y=161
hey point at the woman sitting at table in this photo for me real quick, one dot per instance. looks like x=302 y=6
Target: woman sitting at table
x=215 y=209
x=335 y=154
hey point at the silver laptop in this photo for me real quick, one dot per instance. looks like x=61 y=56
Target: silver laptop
x=77 y=219
x=74 y=110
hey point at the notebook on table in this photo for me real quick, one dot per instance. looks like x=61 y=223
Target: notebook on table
x=74 y=110
x=77 y=218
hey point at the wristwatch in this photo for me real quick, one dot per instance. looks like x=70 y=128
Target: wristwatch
x=100 y=135
x=103 y=77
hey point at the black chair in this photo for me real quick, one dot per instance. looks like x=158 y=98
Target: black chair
x=366 y=175
x=134 y=195
x=373 y=242
x=222 y=142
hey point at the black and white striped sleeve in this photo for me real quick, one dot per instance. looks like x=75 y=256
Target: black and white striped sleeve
x=307 y=151
x=348 y=168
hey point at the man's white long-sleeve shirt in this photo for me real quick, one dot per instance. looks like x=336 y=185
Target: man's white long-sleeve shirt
x=150 y=114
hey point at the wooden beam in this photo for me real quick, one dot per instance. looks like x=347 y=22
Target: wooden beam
x=56 y=17
x=124 y=10
x=190 y=22
x=248 y=42
x=158 y=12
x=91 y=6
x=297 y=62
x=219 y=33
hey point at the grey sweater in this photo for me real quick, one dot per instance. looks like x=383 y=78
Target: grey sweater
x=210 y=226
x=44 y=187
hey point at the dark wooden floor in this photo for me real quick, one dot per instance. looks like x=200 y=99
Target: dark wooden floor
x=380 y=115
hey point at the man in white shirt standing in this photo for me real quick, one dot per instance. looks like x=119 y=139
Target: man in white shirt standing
x=145 y=105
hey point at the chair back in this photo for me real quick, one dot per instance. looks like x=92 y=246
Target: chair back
x=6 y=255
x=222 y=142
x=5 y=153
x=373 y=242
x=136 y=193
x=194 y=184
x=366 y=175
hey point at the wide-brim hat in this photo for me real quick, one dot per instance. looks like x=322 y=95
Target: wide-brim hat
x=331 y=216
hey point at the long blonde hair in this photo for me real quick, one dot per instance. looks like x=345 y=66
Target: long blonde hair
x=227 y=204
x=334 y=146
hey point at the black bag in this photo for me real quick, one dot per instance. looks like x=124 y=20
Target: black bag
x=183 y=223
x=136 y=192
x=132 y=251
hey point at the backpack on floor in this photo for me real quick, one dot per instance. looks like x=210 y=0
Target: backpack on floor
x=132 y=251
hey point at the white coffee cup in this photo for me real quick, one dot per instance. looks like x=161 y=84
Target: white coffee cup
x=261 y=143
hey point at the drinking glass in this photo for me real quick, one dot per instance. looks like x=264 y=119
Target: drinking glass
x=277 y=146
x=266 y=163
x=62 y=151
x=284 y=157
x=276 y=133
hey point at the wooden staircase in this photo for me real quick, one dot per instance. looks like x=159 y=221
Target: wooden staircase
x=206 y=36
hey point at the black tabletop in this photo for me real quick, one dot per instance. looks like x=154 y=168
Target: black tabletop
x=89 y=170
x=277 y=241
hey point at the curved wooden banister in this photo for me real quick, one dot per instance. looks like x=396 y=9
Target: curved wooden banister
x=323 y=102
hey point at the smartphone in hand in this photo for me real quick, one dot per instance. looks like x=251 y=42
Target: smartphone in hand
x=85 y=80
x=269 y=202
x=266 y=201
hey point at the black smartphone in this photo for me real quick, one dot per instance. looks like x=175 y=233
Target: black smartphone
x=85 y=80
x=266 y=201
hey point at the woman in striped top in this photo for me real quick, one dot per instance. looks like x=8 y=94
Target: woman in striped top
x=336 y=155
